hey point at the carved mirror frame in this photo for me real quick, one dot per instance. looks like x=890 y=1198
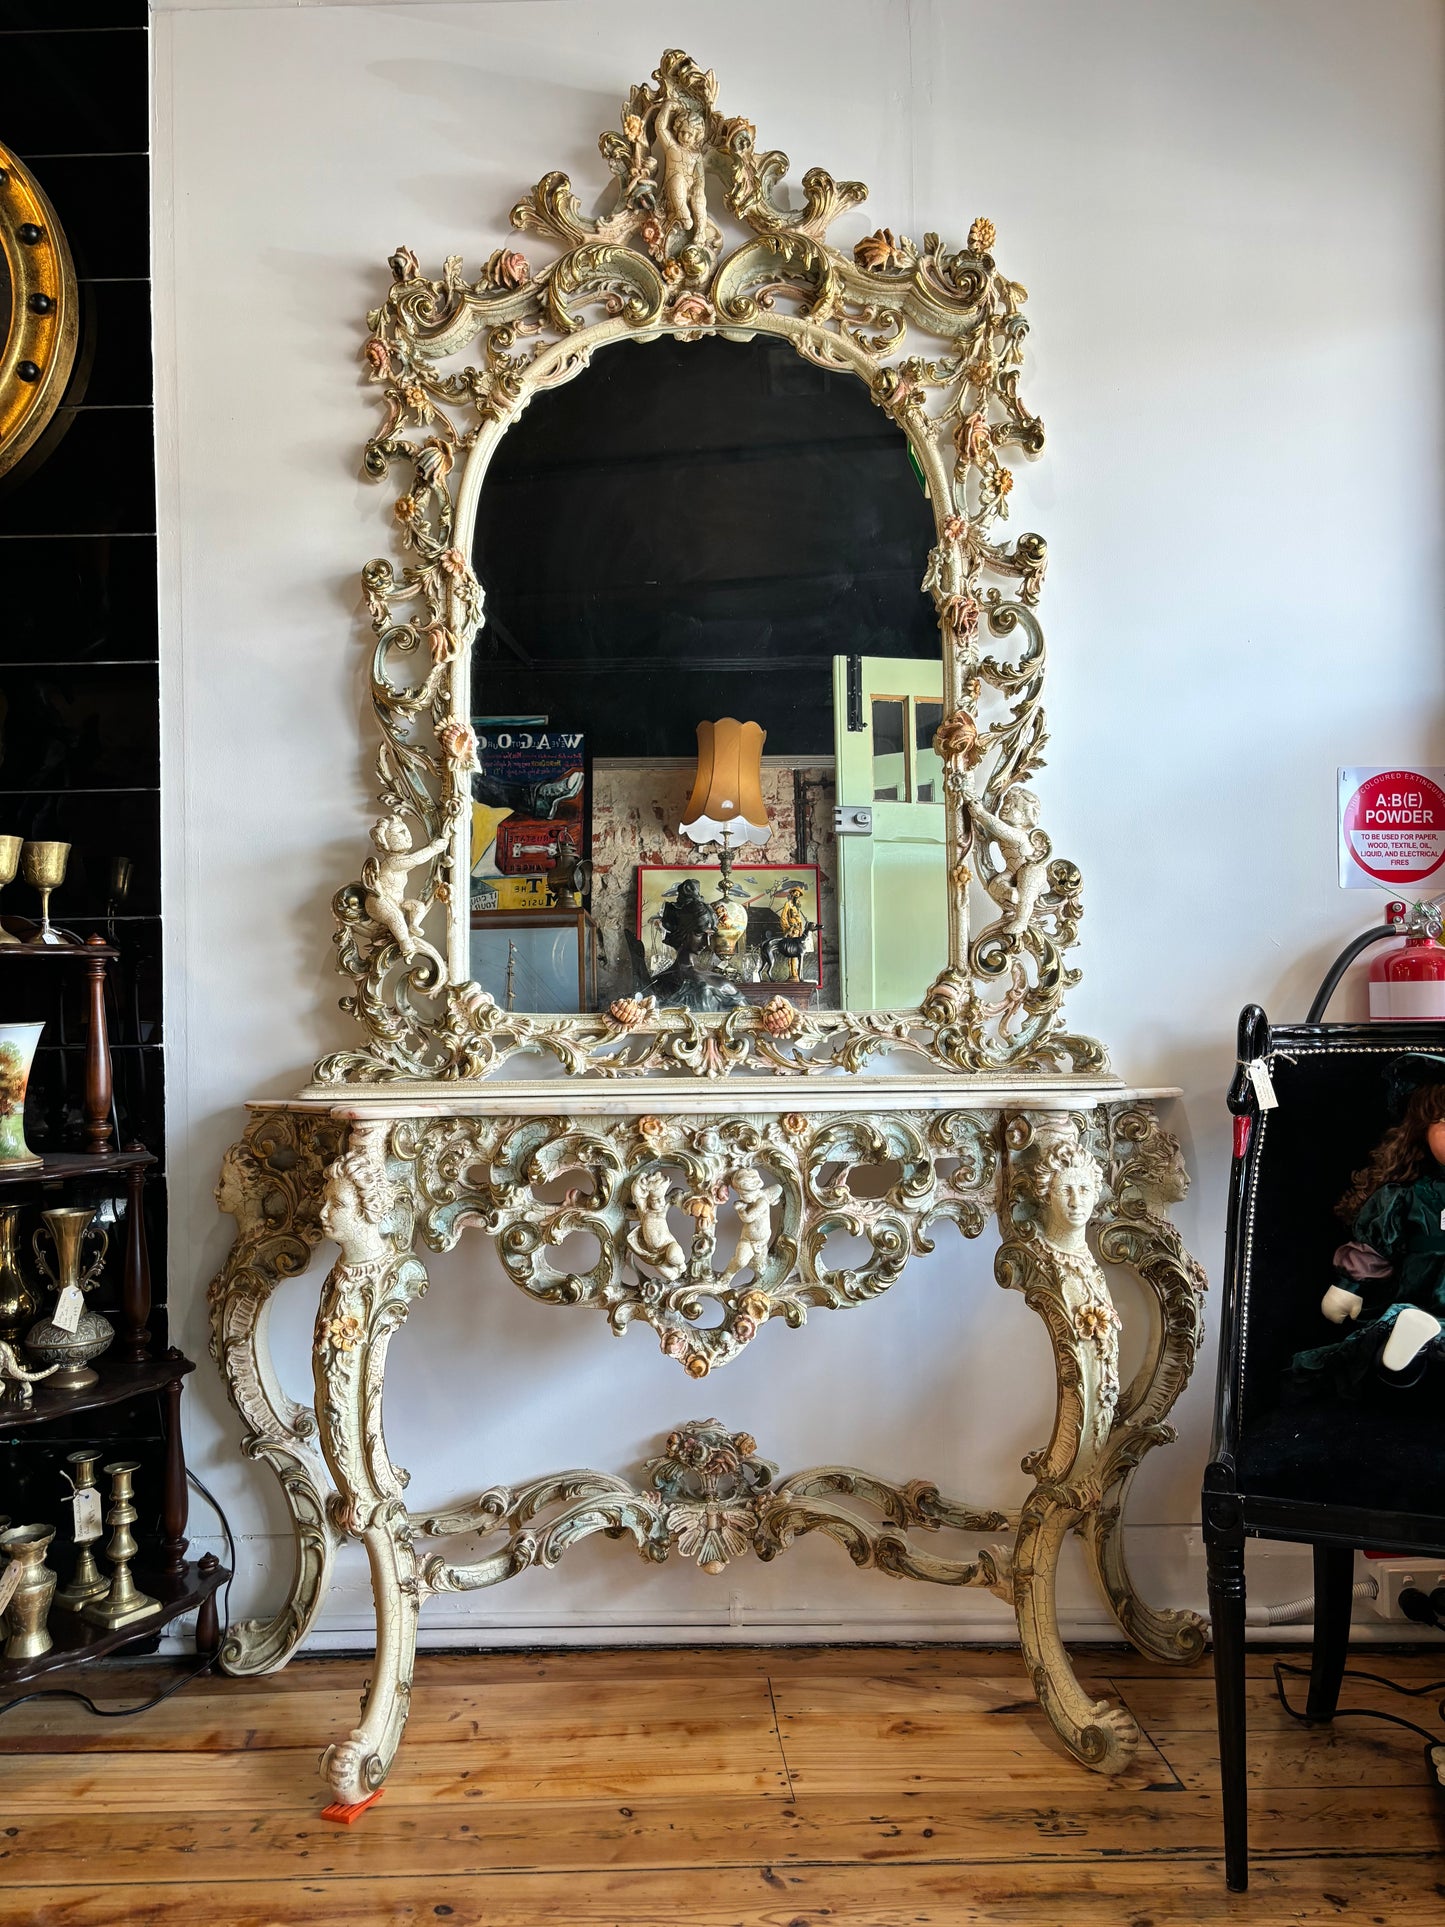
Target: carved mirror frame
x=938 y=337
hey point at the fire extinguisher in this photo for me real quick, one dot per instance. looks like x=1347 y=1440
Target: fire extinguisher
x=1407 y=981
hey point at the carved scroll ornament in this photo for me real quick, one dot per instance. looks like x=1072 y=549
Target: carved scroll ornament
x=937 y=334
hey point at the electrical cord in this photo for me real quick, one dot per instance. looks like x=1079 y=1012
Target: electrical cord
x=196 y=1672
x=1433 y=1743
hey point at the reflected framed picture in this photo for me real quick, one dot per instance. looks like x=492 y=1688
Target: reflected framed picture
x=768 y=923
x=540 y=961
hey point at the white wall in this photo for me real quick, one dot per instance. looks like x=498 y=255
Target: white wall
x=1228 y=216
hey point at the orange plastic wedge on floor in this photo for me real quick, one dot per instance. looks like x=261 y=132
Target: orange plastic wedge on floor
x=345 y=1816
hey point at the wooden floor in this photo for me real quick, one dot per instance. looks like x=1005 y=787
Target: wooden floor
x=797 y=1787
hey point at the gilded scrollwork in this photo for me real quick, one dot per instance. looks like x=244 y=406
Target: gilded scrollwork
x=938 y=335
x=711 y=1498
x=786 y=1187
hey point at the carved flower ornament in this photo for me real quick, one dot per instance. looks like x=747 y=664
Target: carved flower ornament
x=345 y=1332
x=884 y=252
x=1095 y=1320
x=459 y=740
x=693 y=311
x=955 y=737
x=779 y=1018
x=507 y=269
x=702 y=1208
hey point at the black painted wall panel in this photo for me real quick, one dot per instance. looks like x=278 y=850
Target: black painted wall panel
x=79 y=712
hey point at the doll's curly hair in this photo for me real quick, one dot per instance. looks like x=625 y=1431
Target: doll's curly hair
x=1402 y=1154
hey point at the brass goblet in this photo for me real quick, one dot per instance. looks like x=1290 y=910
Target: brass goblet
x=43 y=867
x=9 y=864
x=10 y=848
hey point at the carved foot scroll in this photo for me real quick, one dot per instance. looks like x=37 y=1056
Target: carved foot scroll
x=271 y=1183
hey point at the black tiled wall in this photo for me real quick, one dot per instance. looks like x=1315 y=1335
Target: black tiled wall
x=79 y=698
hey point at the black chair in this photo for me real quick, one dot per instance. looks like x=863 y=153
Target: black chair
x=1334 y=1476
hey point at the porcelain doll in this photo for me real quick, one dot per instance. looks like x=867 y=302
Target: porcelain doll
x=1389 y=1288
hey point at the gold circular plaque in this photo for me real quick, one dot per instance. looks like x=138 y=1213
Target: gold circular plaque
x=39 y=310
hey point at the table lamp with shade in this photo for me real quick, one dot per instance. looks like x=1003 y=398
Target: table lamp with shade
x=727 y=807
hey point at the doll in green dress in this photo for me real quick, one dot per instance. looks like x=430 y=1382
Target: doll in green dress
x=1389 y=1289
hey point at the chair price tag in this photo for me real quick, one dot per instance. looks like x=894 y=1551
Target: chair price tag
x=9 y=1583
x=1263 y=1085
x=85 y=1505
x=68 y=1307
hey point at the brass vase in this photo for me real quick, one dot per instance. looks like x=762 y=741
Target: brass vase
x=48 y=1342
x=18 y=1304
x=29 y=1606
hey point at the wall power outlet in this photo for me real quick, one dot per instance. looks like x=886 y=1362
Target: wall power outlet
x=1394 y=1576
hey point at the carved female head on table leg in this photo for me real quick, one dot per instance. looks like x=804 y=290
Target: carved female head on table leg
x=354 y=1208
x=1063 y=1182
x=241 y=1189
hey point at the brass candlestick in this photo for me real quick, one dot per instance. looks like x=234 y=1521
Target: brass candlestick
x=9 y=863
x=122 y=1602
x=43 y=867
x=88 y=1582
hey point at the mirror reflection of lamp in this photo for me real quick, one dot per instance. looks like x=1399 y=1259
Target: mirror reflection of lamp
x=726 y=807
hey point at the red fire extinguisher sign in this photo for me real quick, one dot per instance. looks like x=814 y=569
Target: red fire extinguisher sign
x=1392 y=827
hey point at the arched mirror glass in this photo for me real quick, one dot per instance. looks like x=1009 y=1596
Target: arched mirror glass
x=687 y=532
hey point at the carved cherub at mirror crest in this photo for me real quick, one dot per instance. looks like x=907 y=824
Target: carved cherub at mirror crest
x=938 y=337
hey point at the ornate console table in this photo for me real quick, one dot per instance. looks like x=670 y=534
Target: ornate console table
x=711 y=1145
x=706 y=1204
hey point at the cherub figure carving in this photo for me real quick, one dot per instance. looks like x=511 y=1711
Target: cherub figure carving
x=753 y=1201
x=1024 y=852
x=681 y=132
x=650 y=1238
x=384 y=876
x=13 y=1371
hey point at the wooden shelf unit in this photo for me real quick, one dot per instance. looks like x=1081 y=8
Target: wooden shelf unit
x=127 y=1372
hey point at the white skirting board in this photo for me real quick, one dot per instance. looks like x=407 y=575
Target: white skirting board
x=1168 y=1562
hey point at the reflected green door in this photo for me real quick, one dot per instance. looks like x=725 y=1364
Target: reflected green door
x=892 y=899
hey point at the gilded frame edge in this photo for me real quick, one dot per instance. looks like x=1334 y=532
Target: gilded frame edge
x=46 y=339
